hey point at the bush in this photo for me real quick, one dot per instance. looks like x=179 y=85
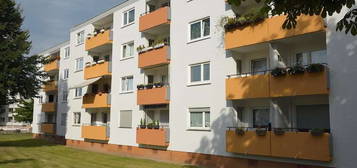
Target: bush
x=278 y=72
x=315 y=68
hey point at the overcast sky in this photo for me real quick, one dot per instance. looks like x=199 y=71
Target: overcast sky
x=49 y=21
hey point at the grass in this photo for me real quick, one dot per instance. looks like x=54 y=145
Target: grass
x=21 y=151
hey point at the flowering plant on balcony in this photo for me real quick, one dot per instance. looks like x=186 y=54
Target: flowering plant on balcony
x=315 y=68
x=155 y=45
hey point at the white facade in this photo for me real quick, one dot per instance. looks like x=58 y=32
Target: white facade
x=207 y=95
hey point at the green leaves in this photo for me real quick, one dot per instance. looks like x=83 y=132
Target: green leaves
x=24 y=112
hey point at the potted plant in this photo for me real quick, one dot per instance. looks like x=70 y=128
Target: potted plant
x=142 y=124
x=150 y=126
x=157 y=124
x=149 y=86
x=102 y=30
x=315 y=68
x=276 y=72
x=158 y=84
x=239 y=131
x=140 y=87
x=89 y=36
x=317 y=132
x=140 y=48
x=261 y=131
x=279 y=131
x=95 y=59
x=106 y=58
x=297 y=69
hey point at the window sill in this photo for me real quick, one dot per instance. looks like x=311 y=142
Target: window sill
x=199 y=129
x=127 y=25
x=79 y=44
x=123 y=59
x=77 y=97
x=78 y=70
x=127 y=92
x=199 y=39
x=76 y=125
x=198 y=83
x=125 y=127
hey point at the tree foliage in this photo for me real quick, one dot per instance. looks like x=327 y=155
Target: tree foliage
x=24 y=112
x=20 y=76
x=294 y=8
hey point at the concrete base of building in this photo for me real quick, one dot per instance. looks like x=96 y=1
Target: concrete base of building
x=52 y=138
x=205 y=160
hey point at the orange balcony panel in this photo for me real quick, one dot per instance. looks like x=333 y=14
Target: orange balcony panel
x=95 y=132
x=49 y=107
x=50 y=86
x=256 y=86
x=300 y=84
x=99 y=40
x=271 y=29
x=301 y=145
x=100 y=100
x=155 y=137
x=52 y=66
x=154 y=19
x=249 y=143
x=97 y=70
x=154 y=57
x=48 y=128
x=153 y=96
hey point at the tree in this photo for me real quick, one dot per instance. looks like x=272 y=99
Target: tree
x=20 y=76
x=24 y=112
x=294 y=8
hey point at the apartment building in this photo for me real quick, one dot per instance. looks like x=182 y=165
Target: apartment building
x=7 y=119
x=163 y=80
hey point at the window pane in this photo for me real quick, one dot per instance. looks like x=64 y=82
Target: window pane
x=125 y=18
x=124 y=51
x=261 y=117
x=123 y=83
x=195 y=30
x=196 y=119
x=130 y=83
x=207 y=119
x=318 y=57
x=131 y=16
x=206 y=72
x=196 y=73
x=206 y=27
x=259 y=66
x=131 y=49
x=299 y=59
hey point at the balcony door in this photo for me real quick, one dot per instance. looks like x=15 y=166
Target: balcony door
x=259 y=66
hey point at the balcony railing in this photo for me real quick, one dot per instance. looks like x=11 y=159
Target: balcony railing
x=48 y=128
x=97 y=70
x=100 y=100
x=49 y=107
x=50 y=86
x=154 y=57
x=263 y=85
x=271 y=29
x=52 y=66
x=95 y=132
x=153 y=96
x=153 y=137
x=286 y=144
x=99 y=40
x=159 y=17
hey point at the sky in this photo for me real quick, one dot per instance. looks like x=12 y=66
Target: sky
x=49 y=21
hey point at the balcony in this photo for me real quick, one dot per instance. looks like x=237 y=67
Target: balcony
x=52 y=66
x=100 y=100
x=49 y=107
x=154 y=57
x=153 y=96
x=264 y=86
x=155 y=19
x=48 y=128
x=97 y=70
x=271 y=29
x=95 y=132
x=99 y=40
x=50 y=86
x=296 y=145
x=154 y=137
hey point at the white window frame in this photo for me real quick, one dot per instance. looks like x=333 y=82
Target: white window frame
x=75 y=119
x=202 y=37
x=65 y=74
x=80 y=37
x=197 y=110
x=202 y=81
x=75 y=93
x=67 y=52
x=127 y=17
x=125 y=78
x=127 y=45
x=78 y=68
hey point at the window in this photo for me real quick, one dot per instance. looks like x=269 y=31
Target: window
x=200 y=118
x=313 y=57
x=125 y=119
x=127 y=84
x=199 y=29
x=259 y=66
x=78 y=92
x=66 y=52
x=128 y=17
x=65 y=74
x=261 y=118
x=79 y=64
x=63 y=119
x=80 y=38
x=128 y=50
x=77 y=118
x=93 y=118
x=64 y=96
x=200 y=72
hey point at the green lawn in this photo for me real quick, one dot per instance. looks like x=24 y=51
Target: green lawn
x=21 y=151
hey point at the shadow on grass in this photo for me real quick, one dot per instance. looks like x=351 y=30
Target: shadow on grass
x=26 y=143
x=15 y=161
